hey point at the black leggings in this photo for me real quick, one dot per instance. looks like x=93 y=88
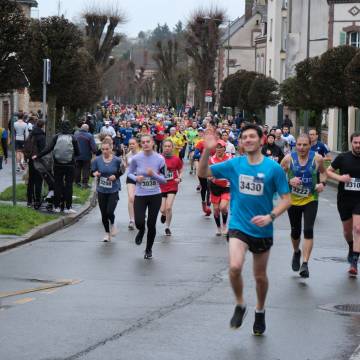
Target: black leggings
x=295 y=216
x=107 y=205
x=205 y=191
x=153 y=204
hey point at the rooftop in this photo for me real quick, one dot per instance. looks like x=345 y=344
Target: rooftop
x=31 y=3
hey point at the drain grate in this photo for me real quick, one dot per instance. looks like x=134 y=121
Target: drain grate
x=332 y=259
x=348 y=308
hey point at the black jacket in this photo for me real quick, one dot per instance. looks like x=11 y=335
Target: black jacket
x=39 y=137
x=273 y=151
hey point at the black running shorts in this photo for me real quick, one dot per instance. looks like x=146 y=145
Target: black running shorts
x=347 y=208
x=256 y=245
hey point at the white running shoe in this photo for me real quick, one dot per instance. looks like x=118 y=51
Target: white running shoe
x=56 y=210
x=69 y=211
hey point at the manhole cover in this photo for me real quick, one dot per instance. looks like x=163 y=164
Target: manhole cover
x=332 y=259
x=343 y=309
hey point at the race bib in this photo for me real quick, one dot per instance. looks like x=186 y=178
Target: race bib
x=105 y=183
x=301 y=191
x=353 y=185
x=169 y=175
x=251 y=185
x=148 y=183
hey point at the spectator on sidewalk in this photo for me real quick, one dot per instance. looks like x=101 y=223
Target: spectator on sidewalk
x=108 y=129
x=65 y=148
x=21 y=133
x=316 y=144
x=3 y=146
x=287 y=122
x=34 y=186
x=87 y=148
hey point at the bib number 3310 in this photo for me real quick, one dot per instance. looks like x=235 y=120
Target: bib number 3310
x=251 y=185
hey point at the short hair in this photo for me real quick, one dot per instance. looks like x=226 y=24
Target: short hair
x=169 y=141
x=146 y=135
x=304 y=136
x=354 y=135
x=40 y=123
x=313 y=129
x=255 y=127
x=107 y=141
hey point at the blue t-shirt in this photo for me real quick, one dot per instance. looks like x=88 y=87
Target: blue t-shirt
x=252 y=188
x=104 y=185
x=127 y=134
x=320 y=148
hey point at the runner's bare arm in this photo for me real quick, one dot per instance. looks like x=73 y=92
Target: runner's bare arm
x=330 y=171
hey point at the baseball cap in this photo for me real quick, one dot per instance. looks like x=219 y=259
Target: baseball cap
x=221 y=142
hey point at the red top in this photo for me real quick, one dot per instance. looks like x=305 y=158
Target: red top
x=201 y=146
x=160 y=132
x=214 y=160
x=173 y=165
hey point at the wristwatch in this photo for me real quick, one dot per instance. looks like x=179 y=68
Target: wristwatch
x=273 y=216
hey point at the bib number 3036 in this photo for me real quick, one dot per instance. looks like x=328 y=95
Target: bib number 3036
x=251 y=185
x=353 y=185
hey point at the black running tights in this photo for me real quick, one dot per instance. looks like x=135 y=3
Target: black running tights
x=152 y=203
x=107 y=205
x=205 y=192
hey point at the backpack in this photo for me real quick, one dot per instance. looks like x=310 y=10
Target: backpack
x=64 y=149
x=30 y=147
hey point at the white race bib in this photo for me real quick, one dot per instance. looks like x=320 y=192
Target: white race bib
x=353 y=185
x=301 y=191
x=148 y=183
x=169 y=175
x=105 y=183
x=251 y=185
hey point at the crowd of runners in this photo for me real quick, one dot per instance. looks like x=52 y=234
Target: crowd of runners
x=247 y=175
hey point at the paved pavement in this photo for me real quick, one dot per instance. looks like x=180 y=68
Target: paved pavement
x=177 y=306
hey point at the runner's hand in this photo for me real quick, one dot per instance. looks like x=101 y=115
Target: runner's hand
x=149 y=172
x=345 y=178
x=97 y=174
x=139 y=178
x=319 y=188
x=210 y=140
x=112 y=178
x=295 y=182
x=261 y=220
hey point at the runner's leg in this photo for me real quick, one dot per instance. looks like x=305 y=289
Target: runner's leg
x=131 y=195
x=154 y=204
x=169 y=202
x=262 y=282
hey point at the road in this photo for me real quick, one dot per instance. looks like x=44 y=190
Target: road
x=178 y=305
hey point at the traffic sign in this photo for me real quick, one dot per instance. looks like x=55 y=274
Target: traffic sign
x=208 y=93
x=208 y=99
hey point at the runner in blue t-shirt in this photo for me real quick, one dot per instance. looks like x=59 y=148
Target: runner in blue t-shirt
x=254 y=179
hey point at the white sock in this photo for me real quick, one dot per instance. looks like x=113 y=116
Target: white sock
x=260 y=311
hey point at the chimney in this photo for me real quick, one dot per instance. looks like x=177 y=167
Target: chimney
x=248 y=9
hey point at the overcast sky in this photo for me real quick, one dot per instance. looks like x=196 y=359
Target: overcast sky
x=142 y=14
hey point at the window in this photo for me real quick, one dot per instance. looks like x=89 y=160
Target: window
x=271 y=29
x=354 y=39
x=263 y=28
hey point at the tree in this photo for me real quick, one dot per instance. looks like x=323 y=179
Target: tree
x=263 y=92
x=74 y=76
x=202 y=43
x=13 y=25
x=166 y=58
x=100 y=33
x=352 y=73
x=249 y=91
x=329 y=80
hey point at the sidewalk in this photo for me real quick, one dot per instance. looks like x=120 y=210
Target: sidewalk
x=6 y=176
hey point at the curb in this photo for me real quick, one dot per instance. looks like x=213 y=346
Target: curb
x=52 y=226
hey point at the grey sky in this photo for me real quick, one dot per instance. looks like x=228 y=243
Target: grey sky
x=143 y=14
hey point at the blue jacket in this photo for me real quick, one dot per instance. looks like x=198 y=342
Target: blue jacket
x=86 y=143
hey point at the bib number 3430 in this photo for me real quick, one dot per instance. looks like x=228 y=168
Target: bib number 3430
x=251 y=185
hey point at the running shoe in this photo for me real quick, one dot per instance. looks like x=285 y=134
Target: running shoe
x=304 y=270
x=163 y=219
x=208 y=211
x=259 y=323
x=56 y=210
x=148 y=254
x=131 y=225
x=139 y=237
x=168 y=232
x=238 y=317
x=69 y=211
x=353 y=270
x=107 y=238
x=224 y=230
x=295 y=264
x=198 y=188
x=218 y=232
x=114 y=230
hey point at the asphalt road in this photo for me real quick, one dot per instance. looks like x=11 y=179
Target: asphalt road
x=104 y=301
